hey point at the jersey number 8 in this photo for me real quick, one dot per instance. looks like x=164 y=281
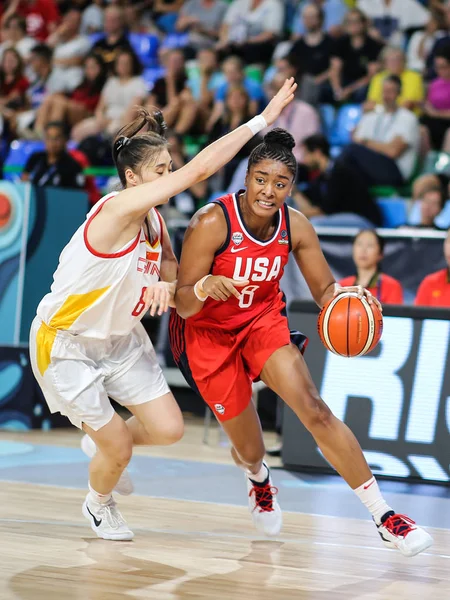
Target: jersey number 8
x=247 y=295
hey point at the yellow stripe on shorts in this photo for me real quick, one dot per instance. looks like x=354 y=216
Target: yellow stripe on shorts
x=64 y=318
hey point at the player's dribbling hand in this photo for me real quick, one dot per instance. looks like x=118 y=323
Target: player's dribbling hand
x=159 y=297
x=218 y=287
x=362 y=292
x=282 y=98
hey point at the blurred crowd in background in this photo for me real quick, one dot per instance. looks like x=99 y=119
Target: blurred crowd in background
x=371 y=118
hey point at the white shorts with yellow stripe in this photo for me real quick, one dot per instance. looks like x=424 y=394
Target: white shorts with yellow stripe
x=78 y=375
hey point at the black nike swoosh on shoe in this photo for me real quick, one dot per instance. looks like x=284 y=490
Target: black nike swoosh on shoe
x=96 y=521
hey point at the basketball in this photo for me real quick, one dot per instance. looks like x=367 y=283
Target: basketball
x=350 y=326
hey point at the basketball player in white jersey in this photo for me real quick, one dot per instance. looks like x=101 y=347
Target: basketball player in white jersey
x=87 y=342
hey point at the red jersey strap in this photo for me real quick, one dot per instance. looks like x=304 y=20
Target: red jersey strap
x=287 y=220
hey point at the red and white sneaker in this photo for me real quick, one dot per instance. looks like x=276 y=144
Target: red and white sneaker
x=263 y=505
x=401 y=532
x=124 y=486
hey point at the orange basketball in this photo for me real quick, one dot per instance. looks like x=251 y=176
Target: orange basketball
x=350 y=326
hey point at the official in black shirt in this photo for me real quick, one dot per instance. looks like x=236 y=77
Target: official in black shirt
x=336 y=189
x=354 y=59
x=55 y=166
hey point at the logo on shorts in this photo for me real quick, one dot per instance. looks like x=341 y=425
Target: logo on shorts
x=219 y=408
x=237 y=238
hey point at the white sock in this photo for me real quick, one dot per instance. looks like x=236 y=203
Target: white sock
x=370 y=495
x=97 y=498
x=260 y=476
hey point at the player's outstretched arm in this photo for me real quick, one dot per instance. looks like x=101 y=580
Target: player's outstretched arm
x=133 y=203
x=206 y=234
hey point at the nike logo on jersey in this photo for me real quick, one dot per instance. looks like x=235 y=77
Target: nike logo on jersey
x=234 y=250
x=96 y=521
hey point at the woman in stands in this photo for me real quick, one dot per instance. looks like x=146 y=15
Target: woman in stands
x=87 y=343
x=368 y=252
x=81 y=103
x=231 y=328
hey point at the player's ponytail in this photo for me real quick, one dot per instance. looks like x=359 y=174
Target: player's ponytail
x=277 y=145
x=139 y=142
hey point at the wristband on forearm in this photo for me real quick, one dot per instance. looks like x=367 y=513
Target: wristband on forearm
x=257 y=124
x=198 y=289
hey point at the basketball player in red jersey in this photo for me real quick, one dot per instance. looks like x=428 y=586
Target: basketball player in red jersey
x=231 y=328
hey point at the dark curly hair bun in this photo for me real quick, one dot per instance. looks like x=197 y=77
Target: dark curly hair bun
x=280 y=137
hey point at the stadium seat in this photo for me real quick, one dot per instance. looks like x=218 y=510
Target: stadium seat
x=18 y=155
x=327 y=115
x=394 y=212
x=347 y=118
x=146 y=48
x=151 y=75
x=442 y=220
x=175 y=40
x=95 y=37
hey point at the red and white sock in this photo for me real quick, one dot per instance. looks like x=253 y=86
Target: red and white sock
x=370 y=495
x=95 y=497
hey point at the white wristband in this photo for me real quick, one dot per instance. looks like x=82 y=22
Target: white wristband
x=257 y=124
x=198 y=289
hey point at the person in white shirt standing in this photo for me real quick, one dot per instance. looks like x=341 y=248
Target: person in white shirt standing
x=386 y=140
x=392 y=18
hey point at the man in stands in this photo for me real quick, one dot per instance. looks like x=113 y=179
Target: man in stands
x=386 y=140
x=41 y=16
x=115 y=38
x=431 y=204
x=435 y=288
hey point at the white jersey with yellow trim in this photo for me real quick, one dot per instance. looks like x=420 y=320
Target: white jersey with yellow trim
x=96 y=295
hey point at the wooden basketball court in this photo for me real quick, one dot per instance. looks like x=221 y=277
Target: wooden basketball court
x=189 y=549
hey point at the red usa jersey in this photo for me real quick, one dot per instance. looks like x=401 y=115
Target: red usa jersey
x=245 y=257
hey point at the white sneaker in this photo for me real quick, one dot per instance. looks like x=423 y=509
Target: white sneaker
x=401 y=532
x=124 y=486
x=106 y=520
x=263 y=506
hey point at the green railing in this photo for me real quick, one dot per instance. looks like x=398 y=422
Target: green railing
x=95 y=171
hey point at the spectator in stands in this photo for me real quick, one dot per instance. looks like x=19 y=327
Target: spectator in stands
x=233 y=71
x=386 y=141
x=125 y=89
x=431 y=204
x=313 y=51
x=299 y=118
x=437 y=106
x=251 y=29
x=435 y=288
x=202 y=20
x=334 y=14
x=204 y=82
x=392 y=18
x=166 y=8
x=54 y=166
x=93 y=18
x=368 y=250
x=354 y=59
x=41 y=16
x=13 y=83
x=14 y=35
x=236 y=112
x=444 y=39
x=115 y=38
x=172 y=95
x=421 y=42
x=69 y=51
x=81 y=103
x=394 y=63
x=337 y=190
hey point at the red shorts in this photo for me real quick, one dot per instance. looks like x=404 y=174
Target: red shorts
x=220 y=365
